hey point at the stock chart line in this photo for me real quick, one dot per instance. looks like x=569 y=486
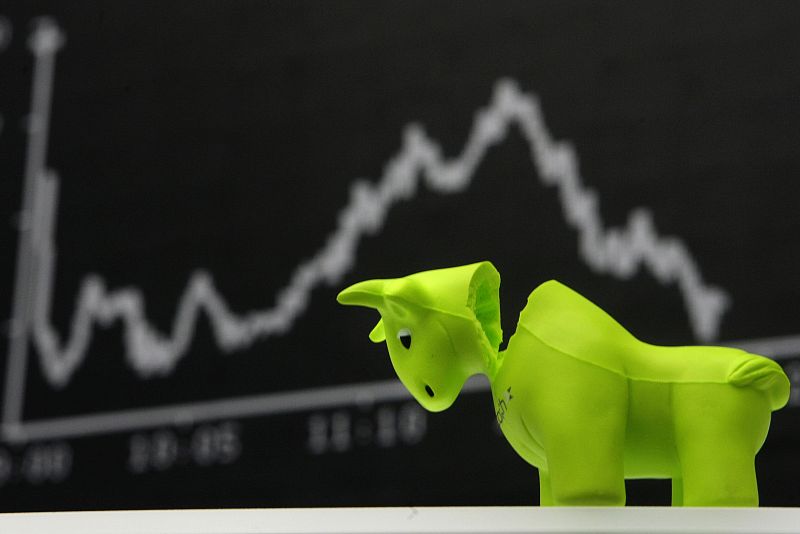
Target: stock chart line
x=44 y=42
x=620 y=252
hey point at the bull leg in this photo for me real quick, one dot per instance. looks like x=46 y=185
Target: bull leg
x=677 y=491
x=718 y=430
x=720 y=477
x=584 y=433
x=580 y=413
x=587 y=472
x=545 y=494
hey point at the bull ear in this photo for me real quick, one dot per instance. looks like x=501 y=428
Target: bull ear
x=368 y=293
x=378 y=334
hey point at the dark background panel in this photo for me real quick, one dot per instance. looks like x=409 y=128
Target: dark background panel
x=225 y=136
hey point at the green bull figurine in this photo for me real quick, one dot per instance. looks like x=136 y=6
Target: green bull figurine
x=576 y=395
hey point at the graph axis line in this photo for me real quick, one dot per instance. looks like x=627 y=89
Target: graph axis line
x=280 y=403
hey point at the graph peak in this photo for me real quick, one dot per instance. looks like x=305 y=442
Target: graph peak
x=620 y=252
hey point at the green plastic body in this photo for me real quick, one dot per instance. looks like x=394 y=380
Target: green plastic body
x=576 y=395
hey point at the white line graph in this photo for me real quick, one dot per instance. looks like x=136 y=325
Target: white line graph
x=620 y=252
x=617 y=251
x=45 y=40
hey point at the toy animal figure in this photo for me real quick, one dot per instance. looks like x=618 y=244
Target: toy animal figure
x=576 y=395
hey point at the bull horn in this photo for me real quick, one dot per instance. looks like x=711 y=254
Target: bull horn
x=368 y=293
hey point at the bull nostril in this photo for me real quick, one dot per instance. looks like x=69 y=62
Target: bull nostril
x=428 y=390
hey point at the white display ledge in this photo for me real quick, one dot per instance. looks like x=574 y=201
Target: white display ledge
x=413 y=520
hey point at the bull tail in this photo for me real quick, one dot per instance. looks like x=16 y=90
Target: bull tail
x=764 y=375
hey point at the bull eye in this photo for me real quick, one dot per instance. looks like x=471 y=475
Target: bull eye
x=404 y=335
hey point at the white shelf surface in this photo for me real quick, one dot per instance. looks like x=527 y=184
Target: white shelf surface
x=473 y=520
